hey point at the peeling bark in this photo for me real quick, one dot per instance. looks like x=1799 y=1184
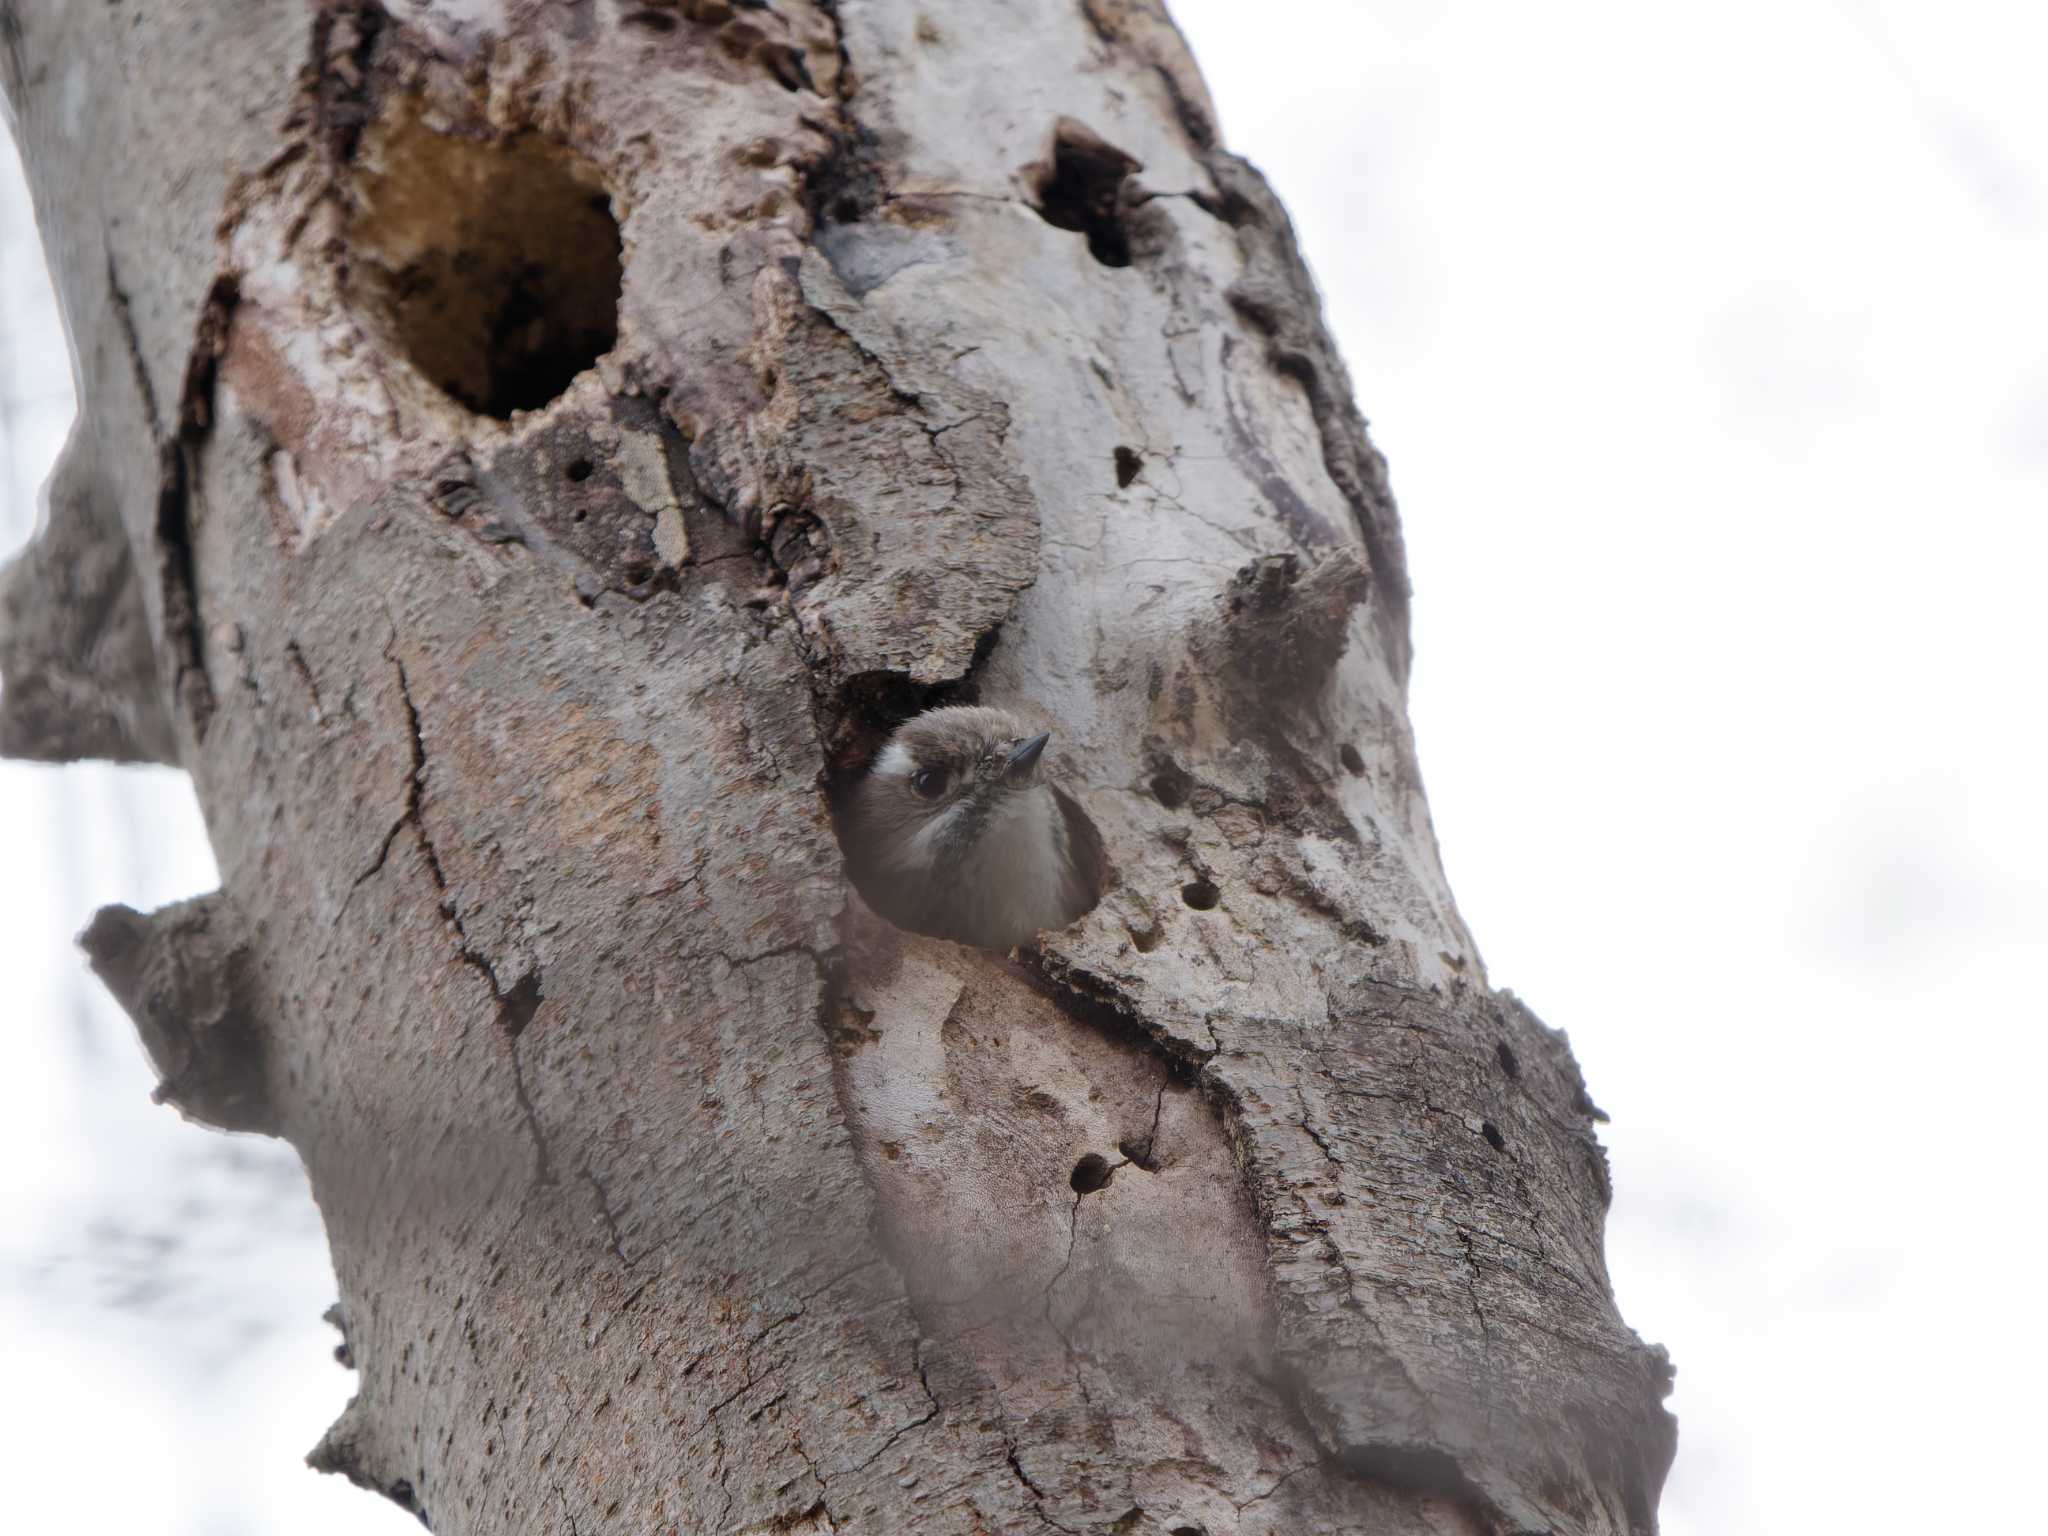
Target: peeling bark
x=526 y=588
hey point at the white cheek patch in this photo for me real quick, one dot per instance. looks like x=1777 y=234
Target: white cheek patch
x=895 y=762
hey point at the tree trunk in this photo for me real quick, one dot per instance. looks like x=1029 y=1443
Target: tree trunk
x=531 y=452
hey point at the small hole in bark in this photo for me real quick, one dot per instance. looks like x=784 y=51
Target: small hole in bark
x=1187 y=1530
x=1297 y=366
x=1255 y=313
x=1507 y=1061
x=579 y=514
x=1081 y=190
x=653 y=21
x=581 y=470
x=1138 y=1154
x=1494 y=1139
x=1170 y=785
x=1353 y=763
x=1147 y=938
x=1090 y=1174
x=1128 y=464
x=499 y=312
x=638 y=575
x=1200 y=894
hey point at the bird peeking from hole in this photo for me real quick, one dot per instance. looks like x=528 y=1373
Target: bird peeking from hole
x=955 y=832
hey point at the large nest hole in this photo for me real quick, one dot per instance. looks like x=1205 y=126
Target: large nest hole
x=859 y=721
x=1081 y=188
x=492 y=266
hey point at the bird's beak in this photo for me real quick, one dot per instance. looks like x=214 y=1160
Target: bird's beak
x=1024 y=758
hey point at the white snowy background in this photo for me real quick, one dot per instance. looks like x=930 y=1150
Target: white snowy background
x=1709 y=344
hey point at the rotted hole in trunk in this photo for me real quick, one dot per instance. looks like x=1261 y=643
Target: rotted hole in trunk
x=1170 y=783
x=1093 y=1172
x=859 y=722
x=1080 y=187
x=493 y=266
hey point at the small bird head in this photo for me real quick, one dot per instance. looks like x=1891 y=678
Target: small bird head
x=956 y=832
x=946 y=777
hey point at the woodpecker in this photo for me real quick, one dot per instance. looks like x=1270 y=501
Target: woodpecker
x=955 y=832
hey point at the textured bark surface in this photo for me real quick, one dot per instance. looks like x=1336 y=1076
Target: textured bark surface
x=521 y=586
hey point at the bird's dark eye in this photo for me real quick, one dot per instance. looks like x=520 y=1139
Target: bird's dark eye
x=929 y=782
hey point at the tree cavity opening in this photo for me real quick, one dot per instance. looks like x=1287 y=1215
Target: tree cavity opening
x=1080 y=187
x=1093 y=1172
x=494 y=267
x=867 y=711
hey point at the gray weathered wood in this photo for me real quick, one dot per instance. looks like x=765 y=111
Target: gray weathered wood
x=668 y=1189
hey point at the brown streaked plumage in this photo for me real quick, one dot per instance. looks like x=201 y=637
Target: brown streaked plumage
x=955 y=832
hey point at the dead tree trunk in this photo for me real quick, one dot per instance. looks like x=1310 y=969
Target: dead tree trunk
x=530 y=450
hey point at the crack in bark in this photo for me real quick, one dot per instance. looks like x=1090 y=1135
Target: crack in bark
x=1145 y=1154
x=778 y=952
x=409 y=815
x=1045 y=1296
x=1472 y=1287
x=1037 y=1494
x=543 y=1172
x=917 y=1423
x=1315 y=1136
x=567 y=1513
x=604 y=1211
x=176 y=443
x=131 y=338
x=1280 y=1482
x=711 y=1417
x=517 y=1004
